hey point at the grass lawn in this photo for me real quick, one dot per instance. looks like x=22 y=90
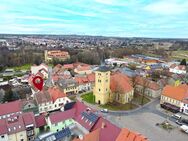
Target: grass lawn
x=119 y=107
x=138 y=99
x=180 y=54
x=89 y=98
x=24 y=67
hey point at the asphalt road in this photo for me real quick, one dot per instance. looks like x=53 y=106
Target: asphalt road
x=144 y=119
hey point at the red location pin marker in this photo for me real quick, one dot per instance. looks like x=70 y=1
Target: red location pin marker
x=38 y=82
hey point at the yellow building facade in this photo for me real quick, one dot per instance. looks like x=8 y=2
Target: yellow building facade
x=102 y=85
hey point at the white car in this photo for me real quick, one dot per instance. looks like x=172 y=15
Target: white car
x=104 y=110
x=176 y=116
x=184 y=128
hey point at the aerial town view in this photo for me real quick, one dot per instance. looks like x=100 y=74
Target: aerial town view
x=93 y=70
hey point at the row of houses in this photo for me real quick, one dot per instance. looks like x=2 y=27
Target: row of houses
x=78 y=121
x=175 y=98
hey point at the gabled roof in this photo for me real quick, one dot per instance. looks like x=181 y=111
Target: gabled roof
x=10 y=107
x=92 y=136
x=68 y=66
x=120 y=82
x=176 y=92
x=80 y=107
x=28 y=118
x=40 y=121
x=103 y=69
x=61 y=116
x=43 y=97
x=108 y=132
x=3 y=127
x=56 y=93
x=91 y=77
x=81 y=79
x=127 y=135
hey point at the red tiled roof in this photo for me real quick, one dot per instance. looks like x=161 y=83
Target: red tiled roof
x=127 y=135
x=108 y=132
x=61 y=116
x=80 y=107
x=91 y=77
x=83 y=68
x=10 y=107
x=58 y=66
x=56 y=93
x=92 y=136
x=68 y=66
x=29 y=118
x=121 y=82
x=40 y=121
x=176 y=92
x=15 y=126
x=3 y=127
x=81 y=79
x=42 y=97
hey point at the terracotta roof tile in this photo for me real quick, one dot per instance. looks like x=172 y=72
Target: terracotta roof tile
x=56 y=93
x=10 y=107
x=176 y=92
x=108 y=132
x=92 y=136
x=127 y=135
x=119 y=81
x=61 y=116
x=40 y=121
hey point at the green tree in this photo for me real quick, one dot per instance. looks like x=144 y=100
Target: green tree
x=8 y=96
x=183 y=62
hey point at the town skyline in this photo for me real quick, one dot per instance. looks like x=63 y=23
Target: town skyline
x=117 y=18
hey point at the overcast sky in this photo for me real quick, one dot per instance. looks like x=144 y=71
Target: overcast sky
x=125 y=18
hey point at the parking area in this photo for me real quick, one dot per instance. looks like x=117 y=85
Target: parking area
x=145 y=123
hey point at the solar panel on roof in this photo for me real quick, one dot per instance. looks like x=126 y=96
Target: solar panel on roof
x=91 y=116
x=64 y=133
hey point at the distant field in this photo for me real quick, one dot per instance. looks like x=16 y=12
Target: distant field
x=24 y=67
x=181 y=54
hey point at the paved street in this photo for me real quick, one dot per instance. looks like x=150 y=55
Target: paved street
x=145 y=123
x=143 y=120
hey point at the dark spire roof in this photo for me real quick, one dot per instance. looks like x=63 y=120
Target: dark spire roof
x=103 y=69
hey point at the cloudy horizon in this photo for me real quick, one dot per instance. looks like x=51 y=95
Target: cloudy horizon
x=123 y=18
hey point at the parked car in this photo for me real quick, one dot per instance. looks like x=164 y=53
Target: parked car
x=176 y=116
x=185 y=121
x=184 y=128
x=104 y=110
x=179 y=122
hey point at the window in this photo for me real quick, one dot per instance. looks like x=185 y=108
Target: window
x=22 y=140
x=99 y=90
x=2 y=136
x=57 y=130
x=106 y=80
